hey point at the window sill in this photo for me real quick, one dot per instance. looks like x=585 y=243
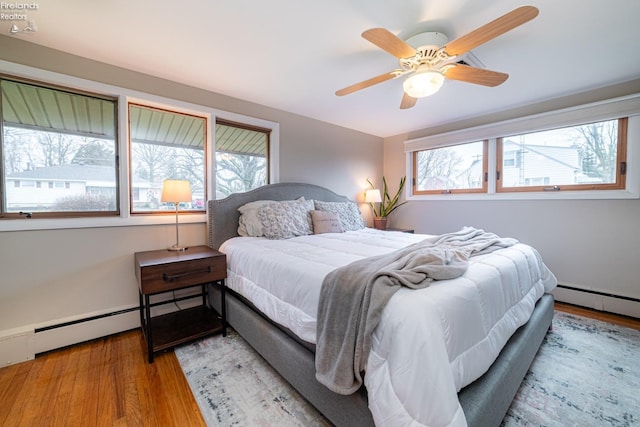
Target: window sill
x=72 y=223
x=547 y=195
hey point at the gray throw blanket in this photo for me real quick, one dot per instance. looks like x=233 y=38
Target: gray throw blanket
x=353 y=296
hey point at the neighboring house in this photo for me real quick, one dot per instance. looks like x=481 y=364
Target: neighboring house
x=531 y=165
x=43 y=187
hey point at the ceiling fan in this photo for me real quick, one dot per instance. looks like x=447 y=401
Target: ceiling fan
x=434 y=59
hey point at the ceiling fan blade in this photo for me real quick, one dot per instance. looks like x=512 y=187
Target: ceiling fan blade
x=475 y=75
x=489 y=31
x=365 y=84
x=389 y=42
x=407 y=101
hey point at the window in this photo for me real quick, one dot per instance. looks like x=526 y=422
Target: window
x=60 y=156
x=454 y=169
x=62 y=137
x=165 y=145
x=242 y=153
x=585 y=157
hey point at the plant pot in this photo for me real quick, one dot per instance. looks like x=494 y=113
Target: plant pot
x=380 y=223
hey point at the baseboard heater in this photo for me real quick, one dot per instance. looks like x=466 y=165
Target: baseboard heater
x=176 y=300
x=604 y=294
x=111 y=314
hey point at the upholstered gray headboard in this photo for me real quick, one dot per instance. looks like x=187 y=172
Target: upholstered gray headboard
x=223 y=215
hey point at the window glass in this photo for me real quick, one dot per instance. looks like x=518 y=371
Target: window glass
x=66 y=140
x=453 y=169
x=165 y=145
x=577 y=157
x=242 y=154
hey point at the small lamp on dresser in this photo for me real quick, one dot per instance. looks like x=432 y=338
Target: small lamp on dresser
x=176 y=191
x=373 y=196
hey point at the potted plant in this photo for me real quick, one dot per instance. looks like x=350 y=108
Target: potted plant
x=387 y=205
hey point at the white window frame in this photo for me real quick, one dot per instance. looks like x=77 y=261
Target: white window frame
x=626 y=106
x=125 y=96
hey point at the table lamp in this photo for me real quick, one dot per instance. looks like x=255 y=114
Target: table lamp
x=176 y=191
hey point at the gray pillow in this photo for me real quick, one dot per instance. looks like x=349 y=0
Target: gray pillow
x=326 y=222
x=347 y=211
x=286 y=219
x=249 y=225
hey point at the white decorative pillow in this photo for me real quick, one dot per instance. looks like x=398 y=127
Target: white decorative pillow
x=326 y=222
x=249 y=225
x=286 y=219
x=348 y=212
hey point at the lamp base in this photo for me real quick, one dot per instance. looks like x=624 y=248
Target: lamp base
x=177 y=248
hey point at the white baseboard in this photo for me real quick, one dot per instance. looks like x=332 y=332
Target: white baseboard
x=20 y=345
x=608 y=303
x=52 y=339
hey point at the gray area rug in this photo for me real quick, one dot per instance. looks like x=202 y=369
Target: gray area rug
x=587 y=373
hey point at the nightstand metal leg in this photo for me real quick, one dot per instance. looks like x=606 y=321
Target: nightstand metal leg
x=147 y=308
x=223 y=308
x=142 y=313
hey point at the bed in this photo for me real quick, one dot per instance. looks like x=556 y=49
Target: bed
x=289 y=348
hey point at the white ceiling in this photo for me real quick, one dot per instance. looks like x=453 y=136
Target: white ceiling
x=294 y=54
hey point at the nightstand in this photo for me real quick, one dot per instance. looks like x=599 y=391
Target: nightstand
x=165 y=271
x=404 y=230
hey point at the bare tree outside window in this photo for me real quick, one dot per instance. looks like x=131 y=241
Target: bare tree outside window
x=458 y=168
x=166 y=145
x=33 y=157
x=241 y=158
x=238 y=173
x=598 y=144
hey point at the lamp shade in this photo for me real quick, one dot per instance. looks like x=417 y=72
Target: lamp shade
x=423 y=83
x=372 y=196
x=176 y=191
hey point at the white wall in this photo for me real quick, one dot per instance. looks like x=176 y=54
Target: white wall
x=51 y=276
x=590 y=244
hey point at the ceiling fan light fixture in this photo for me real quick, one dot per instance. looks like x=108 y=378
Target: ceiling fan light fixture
x=423 y=83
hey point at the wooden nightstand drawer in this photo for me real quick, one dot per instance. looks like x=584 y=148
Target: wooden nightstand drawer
x=159 y=271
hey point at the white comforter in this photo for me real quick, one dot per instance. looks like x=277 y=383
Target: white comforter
x=430 y=342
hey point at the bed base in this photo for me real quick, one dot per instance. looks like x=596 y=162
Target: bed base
x=485 y=402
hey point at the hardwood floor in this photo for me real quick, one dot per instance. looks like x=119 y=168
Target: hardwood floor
x=105 y=382
x=628 y=322
x=108 y=382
